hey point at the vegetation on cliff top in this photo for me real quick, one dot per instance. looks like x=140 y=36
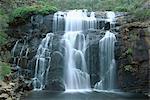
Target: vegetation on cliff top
x=18 y=11
x=23 y=13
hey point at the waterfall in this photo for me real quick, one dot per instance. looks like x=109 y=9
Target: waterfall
x=13 y=51
x=18 y=52
x=107 y=60
x=76 y=74
x=58 y=22
x=77 y=26
x=43 y=59
x=74 y=40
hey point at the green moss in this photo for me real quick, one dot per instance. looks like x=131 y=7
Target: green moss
x=129 y=51
x=4 y=70
x=22 y=13
x=128 y=68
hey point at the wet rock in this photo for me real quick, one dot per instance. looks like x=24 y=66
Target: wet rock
x=94 y=79
x=55 y=75
x=136 y=78
x=55 y=85
x=92 y=59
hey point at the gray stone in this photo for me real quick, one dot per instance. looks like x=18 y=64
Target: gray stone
x=55 y=75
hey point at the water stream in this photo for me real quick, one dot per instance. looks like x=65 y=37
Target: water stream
x=74 y=25
x=43 y=60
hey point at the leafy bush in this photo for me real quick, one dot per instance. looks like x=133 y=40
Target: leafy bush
x=142 y=14
x=24 y=12
x=4 y=70
x=121 y=9
x=117 y=5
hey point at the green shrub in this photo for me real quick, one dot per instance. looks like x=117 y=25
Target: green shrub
x=121 y=9
x=24 y=12
x=4 y=70
x=142 y=14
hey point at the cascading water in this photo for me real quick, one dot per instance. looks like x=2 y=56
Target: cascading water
x=43 y=59
x=76 y=74
x=107 y=61
x=75 y=24
x=19 y=52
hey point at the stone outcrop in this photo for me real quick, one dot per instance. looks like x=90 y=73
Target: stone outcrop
x=133 y=57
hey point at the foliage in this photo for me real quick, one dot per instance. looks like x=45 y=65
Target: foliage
x=3 y=26
x=10 y=5
x=24 y=12
x=3 y=38
x=4 y=70
x=29 y=6
x=121 y=9
x=142 y=14
x=129 y=51
x=96 y=4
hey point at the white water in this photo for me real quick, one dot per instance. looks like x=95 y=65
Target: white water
x=43 y=62
x=17 y=56
x=76 y=74
x=13 y=51
x=107 y=61
x=58 y=22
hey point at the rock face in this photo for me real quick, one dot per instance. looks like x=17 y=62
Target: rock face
x=132 y=52
x=27 y=39
x=13 y=89
x=133 y=57
x=92 y=55
x=55 y=75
